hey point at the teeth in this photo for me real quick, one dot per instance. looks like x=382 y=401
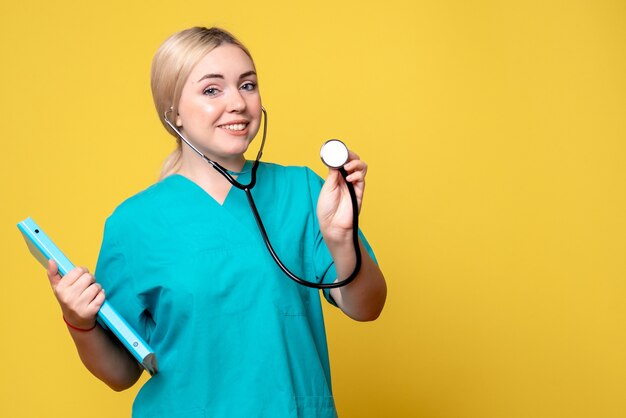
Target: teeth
x=235 y=127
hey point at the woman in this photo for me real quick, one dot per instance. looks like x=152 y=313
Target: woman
x=185 y=265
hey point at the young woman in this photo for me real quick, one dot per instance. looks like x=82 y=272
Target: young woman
x=184 y=263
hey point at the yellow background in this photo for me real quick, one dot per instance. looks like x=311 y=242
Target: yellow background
x=496 y=199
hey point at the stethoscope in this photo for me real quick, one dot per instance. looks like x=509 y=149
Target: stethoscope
x=334 y=154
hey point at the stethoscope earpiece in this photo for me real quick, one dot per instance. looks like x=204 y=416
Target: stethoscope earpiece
x=334 y=153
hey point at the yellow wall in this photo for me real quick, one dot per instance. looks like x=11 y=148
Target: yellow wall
x=496 y=199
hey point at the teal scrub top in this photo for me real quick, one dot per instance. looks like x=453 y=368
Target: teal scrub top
x=234 y=336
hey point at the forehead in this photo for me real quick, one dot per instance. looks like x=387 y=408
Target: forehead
x=227 y=60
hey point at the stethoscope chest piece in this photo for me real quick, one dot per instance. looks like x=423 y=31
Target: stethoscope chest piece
x=334 y=153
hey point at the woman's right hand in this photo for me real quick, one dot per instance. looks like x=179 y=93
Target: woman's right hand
x=80 y=298
x=78 y=294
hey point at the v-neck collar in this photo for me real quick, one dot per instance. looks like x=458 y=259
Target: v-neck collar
x=243 y=177
x=235 y=207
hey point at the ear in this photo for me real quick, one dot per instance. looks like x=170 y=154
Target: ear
x=179 y=122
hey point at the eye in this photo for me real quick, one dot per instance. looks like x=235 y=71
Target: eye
x=248 y=86
x=210 y=91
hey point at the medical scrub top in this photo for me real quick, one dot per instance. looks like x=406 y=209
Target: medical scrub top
x=234 y=336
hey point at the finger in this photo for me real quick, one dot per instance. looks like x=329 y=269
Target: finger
x=356 y=177
x=78 y=288
x=357 y=170
x=355 y=164
x=73 y=284
x=90 y=293
x=72 y=276
x=96 y=303
x=53 y=273
x=332 y=179
x=353 y=156
x=84 y=281
x=78 y=305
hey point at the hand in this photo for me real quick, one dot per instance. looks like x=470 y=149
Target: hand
x=334 y=207
x=78 y=294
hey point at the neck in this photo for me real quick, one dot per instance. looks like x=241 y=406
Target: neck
x=197 y=169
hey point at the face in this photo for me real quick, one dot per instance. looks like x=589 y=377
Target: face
x=220 y=105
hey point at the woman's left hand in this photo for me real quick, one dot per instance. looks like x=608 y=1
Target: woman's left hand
x=334 y=207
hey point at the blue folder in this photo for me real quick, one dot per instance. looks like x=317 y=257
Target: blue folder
x=42 y=247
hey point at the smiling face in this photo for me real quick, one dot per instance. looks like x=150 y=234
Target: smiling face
x=220 y=105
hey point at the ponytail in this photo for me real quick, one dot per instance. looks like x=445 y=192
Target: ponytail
x=171 y=165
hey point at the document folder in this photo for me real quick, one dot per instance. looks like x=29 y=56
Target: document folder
x=42 y=247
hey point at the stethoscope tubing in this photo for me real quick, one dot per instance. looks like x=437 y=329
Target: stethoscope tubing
x=247 y=188
x=355 y=241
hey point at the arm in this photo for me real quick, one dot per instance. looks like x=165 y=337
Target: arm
x=364 y=298
x=80 y=298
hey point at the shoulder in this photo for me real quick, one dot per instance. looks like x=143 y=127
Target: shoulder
x=148 y=201
x=290 y=173
x=289 y=185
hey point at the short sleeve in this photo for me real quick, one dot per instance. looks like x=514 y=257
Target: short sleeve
x=323 y=262
x=113 y=273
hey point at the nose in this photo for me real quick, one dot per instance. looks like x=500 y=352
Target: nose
x=236 y=102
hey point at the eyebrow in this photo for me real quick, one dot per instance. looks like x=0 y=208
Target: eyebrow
x=244 y=75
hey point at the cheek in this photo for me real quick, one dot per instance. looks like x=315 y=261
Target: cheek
x=259 y=117
x=191 y=114
x=254 y=106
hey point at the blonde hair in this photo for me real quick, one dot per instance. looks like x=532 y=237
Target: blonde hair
x=171 y=66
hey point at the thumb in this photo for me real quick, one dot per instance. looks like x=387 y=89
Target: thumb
x=333 y=178
x=53 y=273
